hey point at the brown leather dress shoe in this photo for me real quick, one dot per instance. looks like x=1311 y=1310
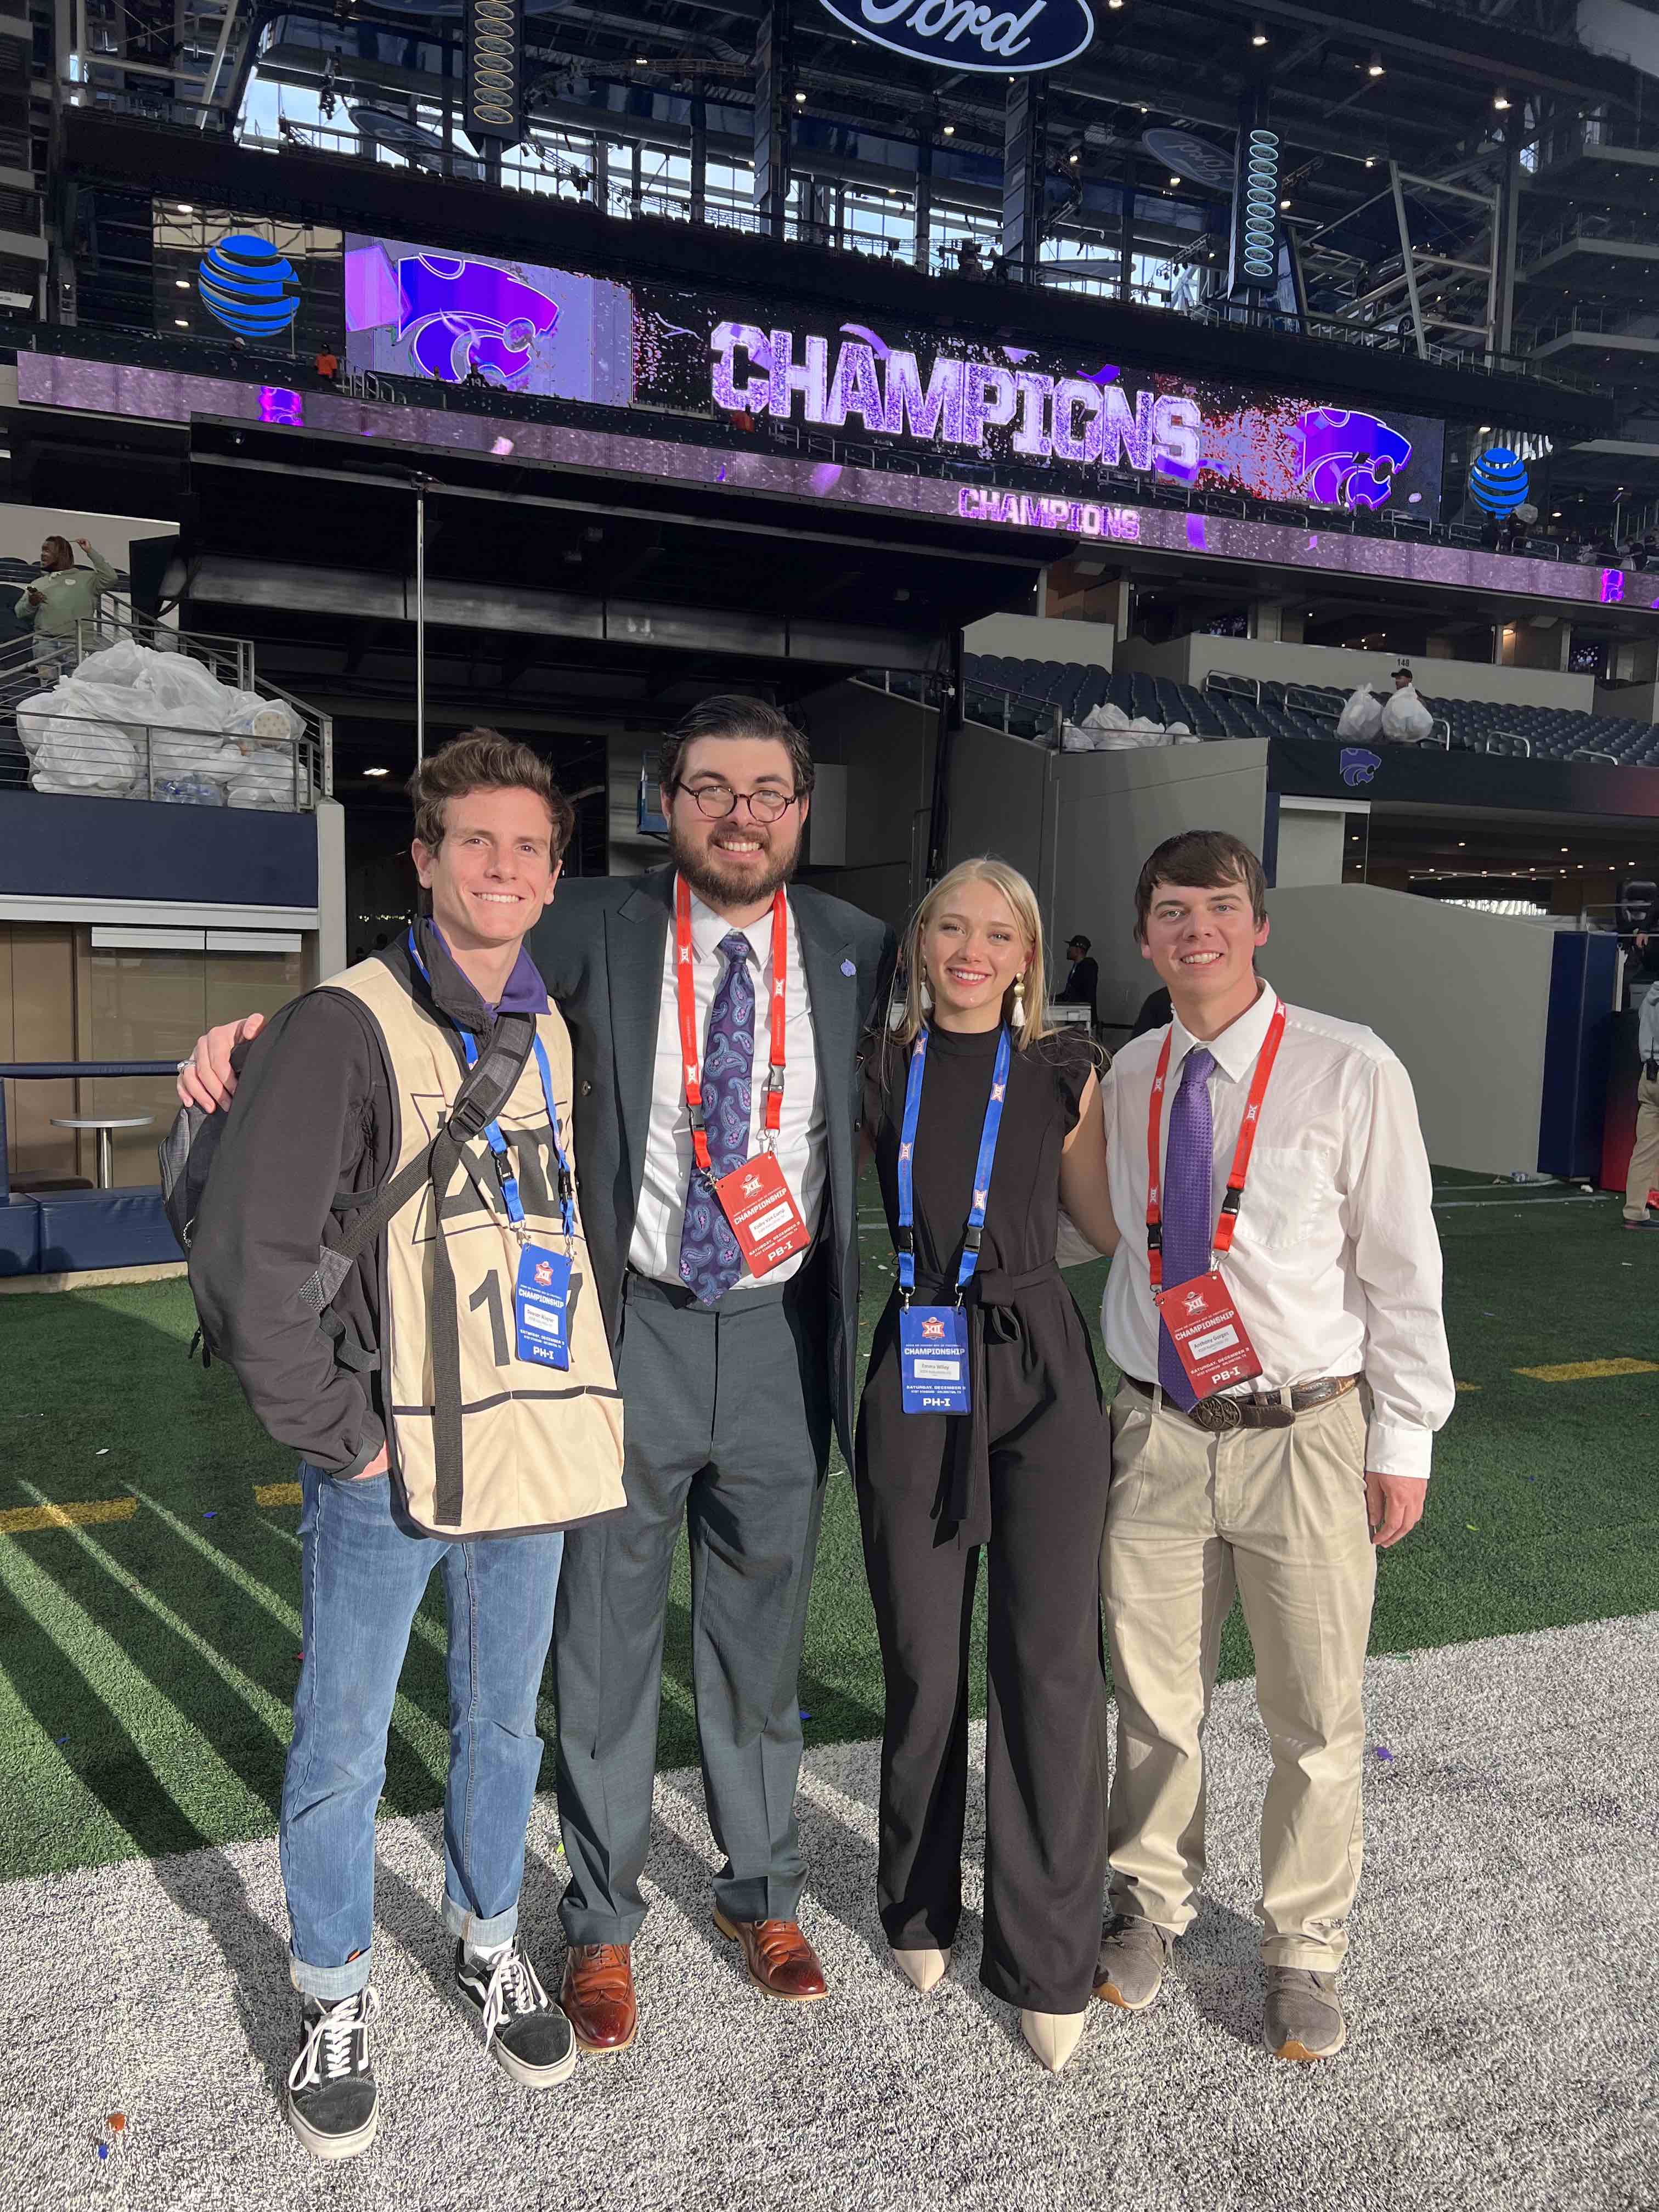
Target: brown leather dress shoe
x=598 y=1997
x=779 y=1959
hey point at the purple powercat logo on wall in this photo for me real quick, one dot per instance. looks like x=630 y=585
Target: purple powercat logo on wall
x=964 y=34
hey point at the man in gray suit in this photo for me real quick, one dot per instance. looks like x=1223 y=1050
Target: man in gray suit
x=730 y=1378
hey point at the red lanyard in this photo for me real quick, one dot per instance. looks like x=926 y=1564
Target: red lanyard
x=690 y=1052
x=1223 y=1235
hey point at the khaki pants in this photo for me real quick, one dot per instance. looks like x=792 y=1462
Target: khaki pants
x=1280 y=1515
x=1644 y=1174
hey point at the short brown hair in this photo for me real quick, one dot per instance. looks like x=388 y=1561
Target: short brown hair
x=730 y=715
x=1201 y=860
x=67 y=549
x=484 y=760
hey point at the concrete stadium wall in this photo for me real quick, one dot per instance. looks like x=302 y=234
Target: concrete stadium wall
x=1080 y=825
x=1189 y=660
x=886 y=746
x=1042 y=637
x=1463 y=999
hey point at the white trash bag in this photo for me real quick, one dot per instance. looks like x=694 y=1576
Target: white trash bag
x=1361 y=719
x=1405 y=717
x=270 y=779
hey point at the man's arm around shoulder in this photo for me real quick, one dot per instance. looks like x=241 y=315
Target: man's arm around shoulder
x=295 y=1132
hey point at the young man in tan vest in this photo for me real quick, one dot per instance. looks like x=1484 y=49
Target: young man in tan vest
x=454 y=1402
x=1285 y=1369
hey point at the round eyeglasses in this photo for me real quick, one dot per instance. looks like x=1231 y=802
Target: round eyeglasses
x=716 y=800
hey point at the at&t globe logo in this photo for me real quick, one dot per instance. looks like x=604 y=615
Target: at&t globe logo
x=1498 y=480
x=246 y=284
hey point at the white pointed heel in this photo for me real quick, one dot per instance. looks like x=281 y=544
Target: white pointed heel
x=1053 y=2035
x=926 y=1969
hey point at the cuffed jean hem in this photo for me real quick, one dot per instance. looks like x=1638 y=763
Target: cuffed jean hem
x=330 y=1984
x=482 y=1935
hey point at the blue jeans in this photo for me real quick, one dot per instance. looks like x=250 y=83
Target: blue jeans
x=363 y=1571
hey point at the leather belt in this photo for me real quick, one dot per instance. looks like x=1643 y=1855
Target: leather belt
x=1220 y=1413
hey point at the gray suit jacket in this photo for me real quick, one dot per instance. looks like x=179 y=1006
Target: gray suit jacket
x=600 y=949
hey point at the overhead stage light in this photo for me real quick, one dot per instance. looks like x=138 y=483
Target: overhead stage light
x=1500 y=99
x=1259 y=35
x=1374 y=67
x=495 y=71
x=377 y=771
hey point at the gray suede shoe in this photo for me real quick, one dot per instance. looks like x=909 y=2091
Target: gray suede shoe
x=1134 y=1953
x=1302 y=2017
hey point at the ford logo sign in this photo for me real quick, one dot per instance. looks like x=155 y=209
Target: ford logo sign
x=966 y=34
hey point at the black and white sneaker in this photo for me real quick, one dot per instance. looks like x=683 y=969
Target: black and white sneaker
x=332 y=2101
x=525 y=2031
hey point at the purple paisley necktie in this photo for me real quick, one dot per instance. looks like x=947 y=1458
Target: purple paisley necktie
x=1188 y=1220
x=710 y=1261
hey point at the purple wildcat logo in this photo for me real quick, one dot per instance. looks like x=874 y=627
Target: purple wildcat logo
x=1358 y=766
x=456 y=311
x=1345 y=459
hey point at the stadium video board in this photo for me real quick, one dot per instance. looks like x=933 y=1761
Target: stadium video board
x=414 y=310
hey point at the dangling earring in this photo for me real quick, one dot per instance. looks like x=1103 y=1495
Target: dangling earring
x=927 y=994
x=1019 y=1002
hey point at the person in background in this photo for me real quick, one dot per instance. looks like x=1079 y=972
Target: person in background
x=1082 y=984
x=981 y=1119
x=328 y=364
x=60 y=598
x=1155 y=1013
x=1275 y=1442
x=1403 y=679
x=1643 y=1175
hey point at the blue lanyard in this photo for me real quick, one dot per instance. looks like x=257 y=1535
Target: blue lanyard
x=497 y=1143
x=988 y=1152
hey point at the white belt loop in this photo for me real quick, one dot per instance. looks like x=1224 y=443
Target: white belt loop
x=1285 y=1397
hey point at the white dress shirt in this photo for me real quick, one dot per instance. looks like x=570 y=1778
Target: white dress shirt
x=1335 y=1262
x=803 y=1151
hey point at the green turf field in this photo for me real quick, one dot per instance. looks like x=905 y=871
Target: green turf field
x=147 y=1662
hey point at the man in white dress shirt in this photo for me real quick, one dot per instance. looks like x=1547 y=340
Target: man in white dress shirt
x=1279 y=1486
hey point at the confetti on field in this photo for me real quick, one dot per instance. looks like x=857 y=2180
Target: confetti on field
x=1383 y=1753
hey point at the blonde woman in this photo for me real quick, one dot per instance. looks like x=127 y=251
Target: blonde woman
x=982 y=1429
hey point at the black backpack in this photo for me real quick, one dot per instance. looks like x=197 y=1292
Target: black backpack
x=190 y=1146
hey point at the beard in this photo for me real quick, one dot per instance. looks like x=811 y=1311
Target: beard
x=719 y=886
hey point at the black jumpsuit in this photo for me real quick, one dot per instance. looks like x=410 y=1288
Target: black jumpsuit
x=1025 y=1474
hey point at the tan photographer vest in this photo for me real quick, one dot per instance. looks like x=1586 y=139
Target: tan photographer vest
x=539 y=1447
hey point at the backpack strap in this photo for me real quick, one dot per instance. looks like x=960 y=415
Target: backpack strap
x=486 y=1088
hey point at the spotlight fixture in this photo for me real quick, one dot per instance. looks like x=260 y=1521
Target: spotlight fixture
x=377 y=771
x=800 y=100
x=1259 y=35
x=1175 y=181
x=181 y=323
x=1075 y=155
x=949 y=130
x=1283 y=207
x=185 y=208
x=641 y=61
x=1371 y=161
x=1114 y=5
x=1500 y=99
x=181 y=283
x=493 y=99
x=1374 y=67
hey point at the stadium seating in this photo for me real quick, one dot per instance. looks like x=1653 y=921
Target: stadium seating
x=1301 y=710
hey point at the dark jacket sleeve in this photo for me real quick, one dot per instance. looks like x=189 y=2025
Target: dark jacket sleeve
x=297 y=1130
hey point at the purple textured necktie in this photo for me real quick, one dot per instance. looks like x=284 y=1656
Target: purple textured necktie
x=710 y=1261
x=1189 y=1216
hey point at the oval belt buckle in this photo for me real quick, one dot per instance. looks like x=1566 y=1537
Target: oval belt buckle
x=1218 y=1413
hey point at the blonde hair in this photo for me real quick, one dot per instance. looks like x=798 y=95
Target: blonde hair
x=1023 y=905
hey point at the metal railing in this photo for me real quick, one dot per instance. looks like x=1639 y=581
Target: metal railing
x=50 y=1070
x=97 y=756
